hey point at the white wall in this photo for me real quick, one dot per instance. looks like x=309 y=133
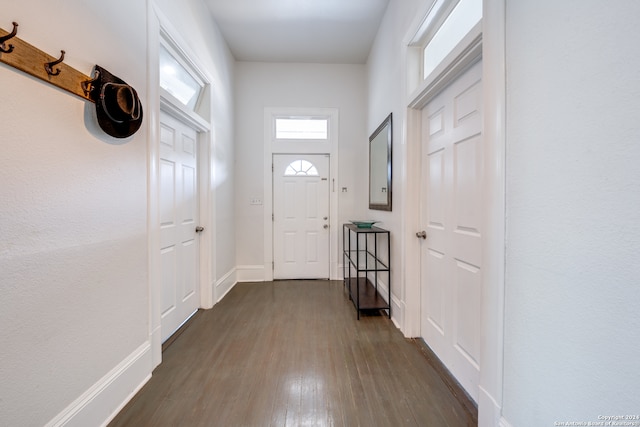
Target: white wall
x=73 y=210
x=573 y=195
x=262 y=85
x=387 y=94
x=73 y=214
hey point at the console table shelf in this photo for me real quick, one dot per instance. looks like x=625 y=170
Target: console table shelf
x=363 y=262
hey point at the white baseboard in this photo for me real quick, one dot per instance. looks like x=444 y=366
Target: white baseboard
x=250 y=273
x=225 y=284
x=156 y=347
x=489 y=412
x=397 y=312
x=340 y=271
x=102 y=402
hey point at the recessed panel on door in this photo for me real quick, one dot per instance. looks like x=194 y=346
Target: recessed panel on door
x=435 y=308
x=311 y=196
x=289 y=196
x=467 y=190
x=466 y=105
x=168 y=212
x=168 y=260
x=312 y=247
x=290 y=243
x=188 y=146
x=189 y=277
x=167 y=136
x=436 y=189
x=189 y=189
x=467 y=311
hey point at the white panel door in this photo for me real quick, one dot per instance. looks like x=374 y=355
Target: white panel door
x=451 y=215
x=301 y=216
x=178 y=220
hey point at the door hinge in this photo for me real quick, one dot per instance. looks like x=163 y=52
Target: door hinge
x=273 y=217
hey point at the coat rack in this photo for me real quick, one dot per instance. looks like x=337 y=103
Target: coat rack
x=33 y=61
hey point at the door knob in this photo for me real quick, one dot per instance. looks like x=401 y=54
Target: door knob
x=199 y=229
x=421 y=234
x=325 y=226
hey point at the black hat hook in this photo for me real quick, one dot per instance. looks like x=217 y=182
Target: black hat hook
x=11 y=35
x=87 y=85
x=49 y=65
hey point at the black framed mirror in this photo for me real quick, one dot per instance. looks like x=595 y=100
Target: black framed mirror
x=380 y=143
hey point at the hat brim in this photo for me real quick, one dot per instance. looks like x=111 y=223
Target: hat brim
x=109 y=126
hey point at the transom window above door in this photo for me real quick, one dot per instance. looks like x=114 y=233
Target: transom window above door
x=301 y=168
x=176 y=79
x=297 y=127
x=441 y=39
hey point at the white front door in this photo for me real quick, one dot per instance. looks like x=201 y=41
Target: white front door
x=301 y=216
x=178 y=221
x=451 y=215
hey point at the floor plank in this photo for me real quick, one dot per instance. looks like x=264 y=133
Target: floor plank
x=291 y=353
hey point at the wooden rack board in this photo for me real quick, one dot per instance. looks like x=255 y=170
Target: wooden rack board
x=33 y=61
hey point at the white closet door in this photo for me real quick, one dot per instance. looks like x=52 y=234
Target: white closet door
x=451 y=215
x=179 y=249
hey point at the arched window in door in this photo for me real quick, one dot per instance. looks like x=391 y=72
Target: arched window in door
x=301 y=168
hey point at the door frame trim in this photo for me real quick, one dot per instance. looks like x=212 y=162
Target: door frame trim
x=494 y=222
x=271 y=147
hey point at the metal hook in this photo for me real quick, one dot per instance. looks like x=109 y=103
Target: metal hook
x=11 y=35
x=88 y=84
x=49 y=65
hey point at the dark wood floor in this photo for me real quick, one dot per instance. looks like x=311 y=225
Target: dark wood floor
x=291 y=353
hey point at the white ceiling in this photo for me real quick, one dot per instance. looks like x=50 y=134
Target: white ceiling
x=321 y=31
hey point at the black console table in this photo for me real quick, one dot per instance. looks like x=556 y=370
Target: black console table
x=362 y=263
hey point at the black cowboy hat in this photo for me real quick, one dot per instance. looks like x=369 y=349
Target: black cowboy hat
x=118 y=107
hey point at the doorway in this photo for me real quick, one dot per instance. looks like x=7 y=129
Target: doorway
x=301 y=216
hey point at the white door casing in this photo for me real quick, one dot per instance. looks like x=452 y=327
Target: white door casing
x=301 y=216
x=179 y=245
x=451 y=215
